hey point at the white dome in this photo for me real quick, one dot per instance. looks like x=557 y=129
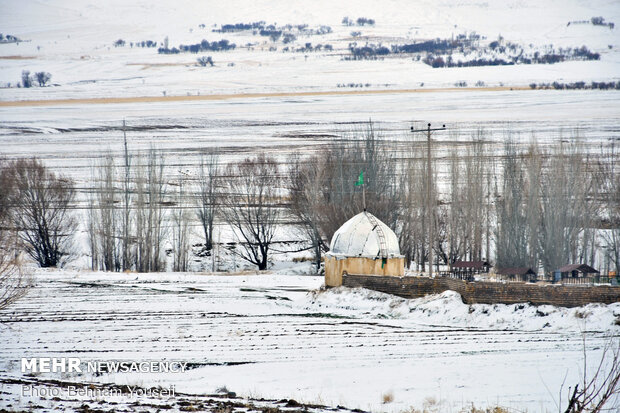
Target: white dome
x=364 y=236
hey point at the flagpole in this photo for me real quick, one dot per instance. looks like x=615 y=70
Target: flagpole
x=360 y=182
x=364 y=196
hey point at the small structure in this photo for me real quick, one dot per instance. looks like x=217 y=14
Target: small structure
x=465 y=270
x=363 y=245
x=517 y=274
x=571 y=273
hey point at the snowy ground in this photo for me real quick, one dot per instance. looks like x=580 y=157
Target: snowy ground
x=275 y=336
x=272 y=336
x=74 y=42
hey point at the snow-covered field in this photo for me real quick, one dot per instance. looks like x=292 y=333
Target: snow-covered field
x=277 y=336
x=74 y=42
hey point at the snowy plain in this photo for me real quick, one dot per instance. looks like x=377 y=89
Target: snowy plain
x=274 y=335
x=280 y=336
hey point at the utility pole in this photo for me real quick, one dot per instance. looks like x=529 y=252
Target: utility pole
x=430 y=208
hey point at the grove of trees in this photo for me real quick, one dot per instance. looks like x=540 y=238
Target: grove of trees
x=515 y=204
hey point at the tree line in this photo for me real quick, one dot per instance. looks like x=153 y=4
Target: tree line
x=529 y=205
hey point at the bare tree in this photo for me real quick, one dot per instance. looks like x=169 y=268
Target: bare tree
x=609 y=179
x=450 y=234
x=463 y=216
x=565 y=187
x=126 y=218
x=475 y=172
x=26 y=79
x=325 y=190
x=13 y=283
x=512 y=238
x=180 y=229
x=150 y=211
x=104 y=217
x=208 y=202
x=251 y=206
x=413 y=234
x=40 y=210
x=42 y=78
x=306 y=184
x=204 y=61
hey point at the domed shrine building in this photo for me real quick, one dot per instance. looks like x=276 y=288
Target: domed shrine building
x=364 y=246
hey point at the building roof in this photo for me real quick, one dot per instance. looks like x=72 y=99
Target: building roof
x=478 y=265
x=584 y=268
x=365 y=236
x=515 y=271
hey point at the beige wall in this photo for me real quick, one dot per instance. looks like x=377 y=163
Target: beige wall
x=334 y=268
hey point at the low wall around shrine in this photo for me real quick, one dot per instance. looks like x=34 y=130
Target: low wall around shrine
x=488 y=292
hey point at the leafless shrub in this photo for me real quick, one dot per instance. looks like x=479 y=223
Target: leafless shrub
x=204 y=61
x=596 y=392
x=14 y=284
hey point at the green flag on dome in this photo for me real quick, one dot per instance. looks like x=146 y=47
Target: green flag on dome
x=360 y=179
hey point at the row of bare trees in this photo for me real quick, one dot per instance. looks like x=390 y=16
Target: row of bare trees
x=520 y=205
x=527 y=205
x=129 y=227
x=557 y=206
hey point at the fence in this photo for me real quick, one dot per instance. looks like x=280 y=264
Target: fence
x=486 y=292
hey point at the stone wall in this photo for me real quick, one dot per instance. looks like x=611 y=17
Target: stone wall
x=486 y=292
x=335 y=266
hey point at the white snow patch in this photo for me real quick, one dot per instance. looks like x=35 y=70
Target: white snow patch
x=448 y=310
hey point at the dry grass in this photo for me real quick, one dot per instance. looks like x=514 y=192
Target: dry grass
x=17 y=57
x=388 y=397
x=148 y=99
x=474 y=409
x=432 y=406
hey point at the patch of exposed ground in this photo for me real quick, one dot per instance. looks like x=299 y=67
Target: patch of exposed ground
x=227 y=96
